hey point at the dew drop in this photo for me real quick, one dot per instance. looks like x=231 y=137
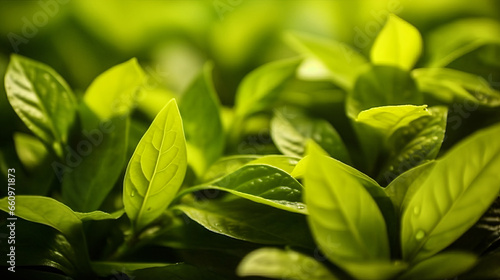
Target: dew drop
x=420 y=235
x=132 y=194
x=300 y=207
x=416 y=210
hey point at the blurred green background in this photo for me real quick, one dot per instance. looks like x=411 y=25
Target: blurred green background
x=173 y=39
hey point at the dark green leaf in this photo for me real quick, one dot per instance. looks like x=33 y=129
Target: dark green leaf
x=199 y=108
x=42 y=99
x=246 y=220
x=157 y=168
x=291 y=129
x=382 y=86
x=175 y=272
x=85 y=187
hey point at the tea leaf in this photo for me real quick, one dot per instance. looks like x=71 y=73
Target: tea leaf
x=157 y=168
x=42 y=99
x=453 y=197
x=398 y=44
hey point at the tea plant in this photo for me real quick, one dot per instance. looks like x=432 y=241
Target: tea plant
x=269 y=188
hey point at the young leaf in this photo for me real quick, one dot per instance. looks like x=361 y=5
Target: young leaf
x=387 y=119
x=285 y=163
x=114 y=92
x=345 y=221
x=262 y=184
x=449 y=85
x=87 y=185
x=290 y=130
x=249 y=221
x=442 y=266
x=157 y=168
x=283 y=264
x=261 y=87
x=382 y=86
x=398 y=44
x=42 y=99
x=227 y=165
x=457 y=191
x=199 y=108
x=343 y=62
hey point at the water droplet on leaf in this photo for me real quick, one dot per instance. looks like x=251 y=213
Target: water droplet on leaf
x=420 y=235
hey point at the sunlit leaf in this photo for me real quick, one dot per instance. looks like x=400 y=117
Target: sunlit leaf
x=398 y=44
x=446 y=205
x=42 y=99
x=157 y=168
x=283 y=264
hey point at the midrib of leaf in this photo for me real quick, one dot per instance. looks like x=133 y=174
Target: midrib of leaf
x=427 y=236
x=146 y=197
x=344 y=216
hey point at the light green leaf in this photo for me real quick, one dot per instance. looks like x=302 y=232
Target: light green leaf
x=291 y=129
x=283 y=264
x=157 y=168
x=31 y=152
x=114 y=92
x=262 y=184
x=85 y=187
x=398 y=44
x=199 y=108
x=388 y=119
x=261 y=87
x=343 y=62
x=445 y=44
x=246 y=220
x=415 y=143
x=42 y=99
x=449 y=85
x=382 y=86
x=285 y=163
x=442 y=266
x=375 y=270
x=344 y=231
x=457 y=191
x=99 y=215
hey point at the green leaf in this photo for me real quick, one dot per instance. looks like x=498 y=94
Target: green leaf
x=344 y=231
x=398 y=44
x=445 y=44
x=105 y=268
x=50 y=212
x=262 y=184
x=417 y=142
x=99 y=215
x=199 y=108
x=227 y=165
x=157 y=168
x=457 y=191
x=382 y=86
x=285 y=163
x=31 y=152
x=114 y=92
x=486 y=268
x=85 y=187
x=449 y=85
x=178 y=271
x=343 y=62
x=42 y=99
x=442 y=266
x=388 y=119
x=291 y=129
x=261 y=87
x=246 y=220
x=283 y=264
